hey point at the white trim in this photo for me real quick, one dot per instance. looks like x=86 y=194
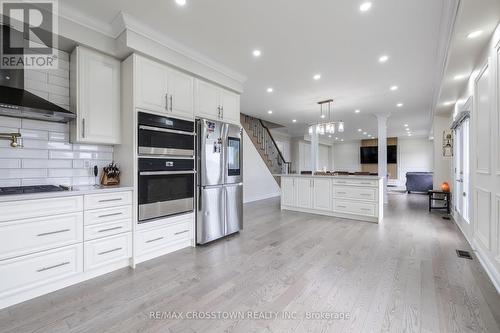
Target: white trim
x=483 y=171
x=485 y=239
x=262 y=197
x=71 y=14
x=496 y=97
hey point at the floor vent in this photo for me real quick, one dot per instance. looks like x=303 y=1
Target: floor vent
x=464 y=254
x=446 y=218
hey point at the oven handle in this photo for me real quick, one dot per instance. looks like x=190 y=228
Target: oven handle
x=155 y=173
x=159 y=129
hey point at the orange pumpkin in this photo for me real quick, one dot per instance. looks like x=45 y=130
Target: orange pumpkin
x=445 y=187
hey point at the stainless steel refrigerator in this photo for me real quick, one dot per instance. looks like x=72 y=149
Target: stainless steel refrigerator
x=220 y=180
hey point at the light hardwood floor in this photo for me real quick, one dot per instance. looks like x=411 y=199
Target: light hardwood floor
x=400 y=276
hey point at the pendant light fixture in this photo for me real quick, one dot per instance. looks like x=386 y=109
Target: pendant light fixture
x=328 y=127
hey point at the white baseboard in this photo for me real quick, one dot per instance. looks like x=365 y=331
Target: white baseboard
x=261 y=197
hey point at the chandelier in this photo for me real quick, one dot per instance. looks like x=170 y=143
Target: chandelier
x=327 y=127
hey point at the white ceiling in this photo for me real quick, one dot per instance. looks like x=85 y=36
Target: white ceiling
x=464 y=53
x=301 y=38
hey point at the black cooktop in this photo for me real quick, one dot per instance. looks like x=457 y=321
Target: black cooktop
x=29 y=189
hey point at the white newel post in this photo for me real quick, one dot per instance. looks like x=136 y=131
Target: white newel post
x=314 y=149
x=382 y=150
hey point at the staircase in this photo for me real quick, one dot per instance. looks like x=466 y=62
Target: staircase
x=266 y=146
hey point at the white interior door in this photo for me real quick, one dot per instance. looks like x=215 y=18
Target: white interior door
x=462 y=174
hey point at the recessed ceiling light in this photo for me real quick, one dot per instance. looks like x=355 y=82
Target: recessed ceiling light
x=180 y=2
x=294 y=120
x=407 y=128
x=322 y=116
x=364 y=133
x=329 y=136
x=399 y=105
x=359 y=130
x=459 y=77
x=475 y=34
x=317 y=76
x=357 y=111
x=448 y=103
x=342 y=140
x=256 y=53
x=336 y=138
x=394 y=88
x=409 y=134
x=383 y=59
x=366 y=6
x=270 y=111
x=270 y=90
x=406 y=125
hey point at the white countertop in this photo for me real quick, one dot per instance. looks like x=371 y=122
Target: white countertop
x=329 y=176
x=76 y=190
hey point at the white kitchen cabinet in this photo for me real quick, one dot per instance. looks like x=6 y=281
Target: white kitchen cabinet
x=230 y=106
x=95 y=86
x=216 y=103
x=288 y=191
x=304 y=192
x=162 y=89
x=322 y=194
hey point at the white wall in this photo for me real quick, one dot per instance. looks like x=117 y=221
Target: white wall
x=301 y=155
x=483 y=232
x=414 y=155
x=258 y=183
x=346 y=156
x=442 y=166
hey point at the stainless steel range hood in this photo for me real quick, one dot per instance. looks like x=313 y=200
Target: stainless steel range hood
x=17 y=102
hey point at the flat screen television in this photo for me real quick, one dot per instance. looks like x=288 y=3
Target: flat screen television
x=369 y=155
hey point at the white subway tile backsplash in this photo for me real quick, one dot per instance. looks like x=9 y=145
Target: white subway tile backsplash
x=6 y=163
x=58 y=136
x=10 y=182
x=48 y=164
x=23 y=153
x=23 y=173
x=10 y=122
x=44 y=125
x=48 y=157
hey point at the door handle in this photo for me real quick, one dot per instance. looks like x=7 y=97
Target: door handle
x=83 y=127
x=171 y=102
x=166 y=101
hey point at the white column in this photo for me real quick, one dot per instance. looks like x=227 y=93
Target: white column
x=382 y=150
x=314 y=150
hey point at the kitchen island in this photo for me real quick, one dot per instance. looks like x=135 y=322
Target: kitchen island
x=353 y=197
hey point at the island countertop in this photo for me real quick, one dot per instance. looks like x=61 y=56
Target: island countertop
x=330 y=176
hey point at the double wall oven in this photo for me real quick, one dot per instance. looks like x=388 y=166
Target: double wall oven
x=166 y=148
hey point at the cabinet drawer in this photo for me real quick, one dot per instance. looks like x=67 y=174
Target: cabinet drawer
x=96 y=201
x=358 y=208
x=101 y=230
x=23 y=273
x=16 y=210
x=107 y=215
x=37 y=234
x=360 y=193
x=356 y=182
x=151 y=240
x=107 y=250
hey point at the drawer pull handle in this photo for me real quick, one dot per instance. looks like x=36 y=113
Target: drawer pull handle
x=341 y=193
x=366 y=183
x=108 y=215
x=53 y=232
x=366 y=209
x=110 y=200
x=52 y=267
x=154 y=240
x=181 y=232
x=110 y=229
x=109 y=251
x=340 y=206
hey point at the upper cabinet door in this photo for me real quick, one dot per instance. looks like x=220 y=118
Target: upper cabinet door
x=181 y=94
x=95 y=90
x=230 y=103
x=151 y=85
x=207 y=100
